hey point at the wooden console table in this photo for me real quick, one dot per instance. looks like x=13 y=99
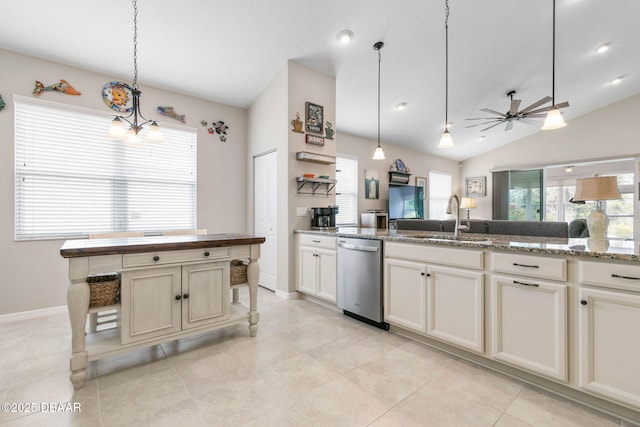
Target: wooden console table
x=171 y=287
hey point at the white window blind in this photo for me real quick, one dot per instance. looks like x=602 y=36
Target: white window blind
x=71 y=179
x=439 y=192
x=347 y=190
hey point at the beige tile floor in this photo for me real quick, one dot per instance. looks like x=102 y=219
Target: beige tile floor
x=308 y=366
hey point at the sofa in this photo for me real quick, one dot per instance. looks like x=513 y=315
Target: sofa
x=481 y=226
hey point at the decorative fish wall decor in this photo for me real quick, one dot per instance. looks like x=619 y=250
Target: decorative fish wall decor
x=2 y=104
x=169 y=112
x=216 y=128
x=61 y=86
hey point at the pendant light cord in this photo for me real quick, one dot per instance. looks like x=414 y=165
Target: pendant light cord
x=379 y=59
x=553 y=60
x=135 y=44
x=446 y=66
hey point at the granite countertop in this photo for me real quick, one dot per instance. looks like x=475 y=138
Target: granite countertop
x=613 y=249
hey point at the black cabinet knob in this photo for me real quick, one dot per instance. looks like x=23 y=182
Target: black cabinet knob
x=207 y=253
x=185 y=296
x=422 y=274
x=156 y=258
x=583 y=302
x=178 y=297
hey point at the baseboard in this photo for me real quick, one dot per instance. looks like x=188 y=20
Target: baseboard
x=287 y=295
x=32 y=314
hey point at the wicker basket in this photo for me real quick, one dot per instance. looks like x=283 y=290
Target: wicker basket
x=103 y=289
x=238 y=272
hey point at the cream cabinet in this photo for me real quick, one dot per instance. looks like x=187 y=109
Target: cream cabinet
x=529 y=313
x=610 y=343
x=442 y=301
x=405 y=294
x=529 y=324
x=316 y=272
x=455 y=306
x=164 y=300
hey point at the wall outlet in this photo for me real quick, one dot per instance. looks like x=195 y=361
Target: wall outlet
x=301 y=211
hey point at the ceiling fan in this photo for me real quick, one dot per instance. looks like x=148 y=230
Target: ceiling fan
x=531 y=112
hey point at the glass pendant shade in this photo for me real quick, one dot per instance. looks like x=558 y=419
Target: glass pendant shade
x=553 y=120
x=378 y=154
x=154 y=135
x=446 y=141
x=132 y=138
x=117 y=130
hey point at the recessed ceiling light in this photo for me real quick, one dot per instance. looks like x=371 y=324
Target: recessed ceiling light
x=603 y=48
x=345 y=36
x=568 y=169
x=616 y=80
x=401 y=106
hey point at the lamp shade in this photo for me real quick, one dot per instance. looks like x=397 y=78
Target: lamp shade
x=597 y=188
x=468 y=203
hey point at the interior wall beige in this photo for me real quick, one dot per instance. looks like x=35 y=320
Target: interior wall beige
x=34 y=273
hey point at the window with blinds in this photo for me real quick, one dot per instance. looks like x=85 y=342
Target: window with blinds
x=439 y=192
x=347 y=190
x=71 y=179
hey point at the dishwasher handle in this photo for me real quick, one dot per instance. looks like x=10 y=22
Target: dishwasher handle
x=358 y=247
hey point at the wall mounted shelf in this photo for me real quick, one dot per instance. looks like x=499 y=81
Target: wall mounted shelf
x=398 y=177
x=315 y=158
x=316 y=183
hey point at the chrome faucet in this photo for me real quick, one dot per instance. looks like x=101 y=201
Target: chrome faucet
x=458 y=226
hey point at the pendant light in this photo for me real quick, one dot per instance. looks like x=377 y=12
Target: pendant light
x=554 y=119
x=378 y=154
x=445 y=140
x=117 y=130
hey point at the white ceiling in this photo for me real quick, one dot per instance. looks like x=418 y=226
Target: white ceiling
x=228 y=51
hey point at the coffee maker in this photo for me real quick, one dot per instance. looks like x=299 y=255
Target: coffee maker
x=324 y=218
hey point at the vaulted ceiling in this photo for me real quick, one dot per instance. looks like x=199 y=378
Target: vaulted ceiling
x=228 y=51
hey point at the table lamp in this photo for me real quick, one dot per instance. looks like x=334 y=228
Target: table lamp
x=597 y=188
x=468 y=203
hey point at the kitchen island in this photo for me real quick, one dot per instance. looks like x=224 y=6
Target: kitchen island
x=171 y=287
x=559 y=313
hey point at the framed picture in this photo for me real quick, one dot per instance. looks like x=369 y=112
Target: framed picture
x=421 y=182
x=476 y=186
x=371 y=184
x=314 y=118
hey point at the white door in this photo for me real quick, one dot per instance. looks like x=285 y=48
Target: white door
x=265 y=201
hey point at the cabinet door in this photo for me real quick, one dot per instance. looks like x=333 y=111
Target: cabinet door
x=529 y=319
x=610 y=344
x=405 y=294
x=327 y=274
x=149 y=305
x=205 y=294
x=307 y=270
x=455 y=307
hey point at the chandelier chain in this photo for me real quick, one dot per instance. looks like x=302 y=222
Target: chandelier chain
x=135 y=44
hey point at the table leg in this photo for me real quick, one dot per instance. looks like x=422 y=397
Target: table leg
x=253 y=275
x=78 y=305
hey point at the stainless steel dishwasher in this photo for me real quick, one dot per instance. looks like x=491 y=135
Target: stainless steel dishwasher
x=360 y=279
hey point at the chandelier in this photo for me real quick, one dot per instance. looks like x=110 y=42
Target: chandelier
x=118 y=130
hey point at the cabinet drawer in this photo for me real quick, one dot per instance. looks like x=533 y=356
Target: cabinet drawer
x=170 y=257
x=436 y=254
x=318 y=241
x=609 y=275
x=532 y=266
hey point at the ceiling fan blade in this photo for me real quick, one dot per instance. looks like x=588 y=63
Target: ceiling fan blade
x=509 y=126
x=491 y=126
x=487 y=110
x=536 y=104
x=562 y=105
x=515 y=104
x=483 y=118
x=545 y=109
x=484 y=123
x=534 y=116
